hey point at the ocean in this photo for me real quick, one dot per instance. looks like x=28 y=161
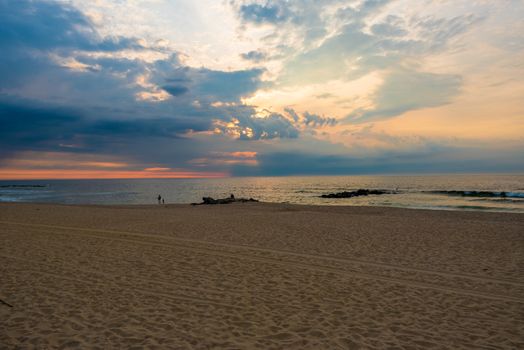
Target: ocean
x=482 y=192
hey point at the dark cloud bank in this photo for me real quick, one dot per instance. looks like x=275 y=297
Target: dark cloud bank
x=93 y=105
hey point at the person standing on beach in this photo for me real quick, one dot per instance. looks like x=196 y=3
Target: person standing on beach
x=159 y=199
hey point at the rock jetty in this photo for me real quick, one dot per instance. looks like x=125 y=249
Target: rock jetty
x=357 y=193
x=230 y=199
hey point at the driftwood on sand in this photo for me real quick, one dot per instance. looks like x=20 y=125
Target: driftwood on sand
x=5 y=303
x=231 y=199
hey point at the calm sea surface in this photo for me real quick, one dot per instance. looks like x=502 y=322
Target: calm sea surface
x=475 y=192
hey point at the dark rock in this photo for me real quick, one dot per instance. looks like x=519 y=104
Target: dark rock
x=231 y=199
x=357 y=193
x=487 y=194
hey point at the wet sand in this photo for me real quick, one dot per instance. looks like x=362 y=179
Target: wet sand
x=259 y=276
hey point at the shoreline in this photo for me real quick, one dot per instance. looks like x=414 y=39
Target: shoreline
x=478 y=209
x=259 y=275
x=489 y=193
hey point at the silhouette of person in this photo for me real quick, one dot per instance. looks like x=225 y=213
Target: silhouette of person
x=159 y=198
x=163 y=201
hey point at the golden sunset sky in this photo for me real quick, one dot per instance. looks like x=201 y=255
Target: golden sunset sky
x=180 y=88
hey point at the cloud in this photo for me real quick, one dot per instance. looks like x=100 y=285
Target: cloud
x=46 y=44
x=244 y=158
x=310 y=120
x=405 y=90
x=250 y=127
x=437 y=32
x=291 y=112
x=227 y=86
x=271 y=12
x=77 y=92
x=430 y=160
x=285 y=163
x=354 y=50
x=315 y=120
x=267 y=125
x=175 y=90
x=204 y=84
x=50 y=43
x=358 y=52
x=392 y=26
x=364 y=42
x=53 y=126
x=290 y=25
x=254 y=56
x=325 y=95
x=321 y=33
x=49 y=128
x=46 y=25
x=65 y=87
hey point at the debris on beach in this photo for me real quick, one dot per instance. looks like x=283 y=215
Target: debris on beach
x=360 y=192
x=230 y=199
x=5 y=303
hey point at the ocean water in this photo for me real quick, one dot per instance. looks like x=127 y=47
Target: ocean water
x=445 y=192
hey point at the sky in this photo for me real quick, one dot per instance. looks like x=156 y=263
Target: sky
x=218 y=88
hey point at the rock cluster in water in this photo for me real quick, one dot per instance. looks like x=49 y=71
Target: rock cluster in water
x=475 y=193
x=357 y=193
x=231 y=199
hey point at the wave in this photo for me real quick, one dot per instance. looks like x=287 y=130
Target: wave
x=22 y=186
x=22 y=192
x=482 y=194
x=107 y=193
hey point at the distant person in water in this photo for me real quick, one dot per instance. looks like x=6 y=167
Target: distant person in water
x=159 y=198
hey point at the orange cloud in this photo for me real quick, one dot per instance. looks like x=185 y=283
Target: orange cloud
x=157 y=169
x=64 y=165
x=104 y=164
x=243 y=154
x=65 y=162
x=240 y=161
x=31 y=160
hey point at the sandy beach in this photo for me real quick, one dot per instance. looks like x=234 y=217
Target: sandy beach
x=259 y=276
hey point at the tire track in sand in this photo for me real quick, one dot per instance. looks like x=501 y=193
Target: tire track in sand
x=139 y=238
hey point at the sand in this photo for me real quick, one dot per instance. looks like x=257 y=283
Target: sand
x=259 y=276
